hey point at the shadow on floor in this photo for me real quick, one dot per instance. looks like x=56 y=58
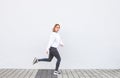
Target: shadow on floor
x=45 y=73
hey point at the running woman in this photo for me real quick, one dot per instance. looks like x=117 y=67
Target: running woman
x=54 y=41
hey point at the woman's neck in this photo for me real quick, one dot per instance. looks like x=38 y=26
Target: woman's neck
x=55 y=32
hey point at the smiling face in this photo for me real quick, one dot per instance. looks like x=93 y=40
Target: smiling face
x=56 y=28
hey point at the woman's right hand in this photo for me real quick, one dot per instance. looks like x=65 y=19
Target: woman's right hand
x=46 y=52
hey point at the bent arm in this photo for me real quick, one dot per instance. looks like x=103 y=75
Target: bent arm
x=51 y=40
x=61 y=42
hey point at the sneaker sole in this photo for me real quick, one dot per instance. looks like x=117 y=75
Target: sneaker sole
x=34 y=60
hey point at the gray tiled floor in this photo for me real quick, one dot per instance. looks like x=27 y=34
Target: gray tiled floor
x=66 y=73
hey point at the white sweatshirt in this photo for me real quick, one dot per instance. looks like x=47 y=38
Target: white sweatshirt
x=54 y=41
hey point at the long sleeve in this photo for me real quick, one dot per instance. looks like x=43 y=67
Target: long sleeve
x=61 y=42
x=51 y=40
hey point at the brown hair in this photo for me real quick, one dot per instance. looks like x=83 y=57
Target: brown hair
x=55 y=26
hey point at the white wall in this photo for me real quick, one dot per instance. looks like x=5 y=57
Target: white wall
x=89 y=29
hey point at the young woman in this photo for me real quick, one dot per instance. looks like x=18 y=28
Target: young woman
x=54 y=42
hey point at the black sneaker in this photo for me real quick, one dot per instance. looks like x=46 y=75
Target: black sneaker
x=35 y=60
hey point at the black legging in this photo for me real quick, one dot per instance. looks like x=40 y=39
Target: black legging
x=53 y=52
